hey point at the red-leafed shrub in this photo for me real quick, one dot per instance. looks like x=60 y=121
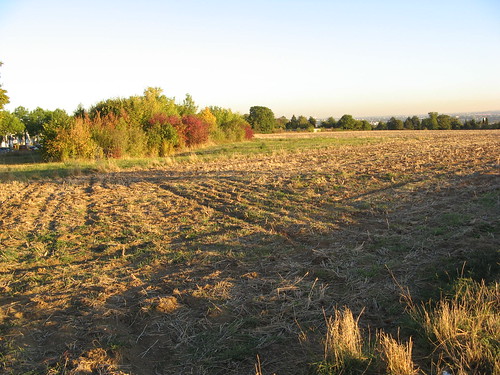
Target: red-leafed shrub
x=248 y=132
x=196 y=130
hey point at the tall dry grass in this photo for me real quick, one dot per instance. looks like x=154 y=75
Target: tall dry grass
x=396 y=356
x=463 y=330
x=344 y=348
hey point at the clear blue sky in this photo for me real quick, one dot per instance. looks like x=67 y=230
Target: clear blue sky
x=317 y=57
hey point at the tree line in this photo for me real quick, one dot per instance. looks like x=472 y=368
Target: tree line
x=139 y=126
x=155 y=125
x=263 y=121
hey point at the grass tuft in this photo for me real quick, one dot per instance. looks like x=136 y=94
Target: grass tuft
x=343 y=346
x=397 y=356
x=464 y=329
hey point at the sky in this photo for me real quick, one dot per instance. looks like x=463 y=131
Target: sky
x=315 y=58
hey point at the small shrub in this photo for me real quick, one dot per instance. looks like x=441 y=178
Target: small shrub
x=248 y=132
x=163 y=134
x=236 y=130
x=72 y=141
x=196 y=130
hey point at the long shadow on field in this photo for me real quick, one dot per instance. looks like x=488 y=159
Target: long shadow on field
x=294 y=250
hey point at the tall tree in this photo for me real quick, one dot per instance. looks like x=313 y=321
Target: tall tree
x=36 y=120
x=303 y=122
x=262 y=119
x=347 y=122
x=4 y=99
x=312 y=121
x=416 y=122
x=432 y=122
x=408 y=124
x=444 y=122
x=10 y=124
x=395 y=124
x=293 y=123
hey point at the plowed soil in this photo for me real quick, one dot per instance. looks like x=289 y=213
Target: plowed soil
x=198 y=267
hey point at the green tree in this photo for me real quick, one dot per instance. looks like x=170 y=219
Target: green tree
x=431 y=122
x=444 y=122
x=281 y=123
x=4 y=98
x=312 y=121
x=395 y=124
x=456 y=124
x=293 y=123
x=22 y=114
x=329 y=123
x=381 y=125
x=471 y=124
x=262 y=119
x=36 y=120
x=188 y=107
x=346 y=122
x=10 y=124
x=365 y=125
x=303 y=123
x=416 y=123
x=408 y=124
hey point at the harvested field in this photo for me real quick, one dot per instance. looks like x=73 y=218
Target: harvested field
x=198 y=267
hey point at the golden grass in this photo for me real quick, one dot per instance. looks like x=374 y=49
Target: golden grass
x=396 y=356
x=344 y=344
x=465 y=329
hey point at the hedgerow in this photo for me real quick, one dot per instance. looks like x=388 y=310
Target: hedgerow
x=139 y=126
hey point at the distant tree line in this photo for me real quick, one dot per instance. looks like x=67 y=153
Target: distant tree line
x=435 y=121
x=263 y=121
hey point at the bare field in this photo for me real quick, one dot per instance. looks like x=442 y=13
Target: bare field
x=197 y=267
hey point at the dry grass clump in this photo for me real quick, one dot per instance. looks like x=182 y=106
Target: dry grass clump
x=465 y=329
x=344 y=351
x=464 y=332
x=397 y=356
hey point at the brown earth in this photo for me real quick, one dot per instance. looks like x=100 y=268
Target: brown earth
x=197 y=268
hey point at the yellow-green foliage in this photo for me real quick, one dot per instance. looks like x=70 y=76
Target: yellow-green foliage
x=148 y=125
x=73 y=141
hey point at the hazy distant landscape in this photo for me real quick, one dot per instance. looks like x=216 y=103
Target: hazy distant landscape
x=493 y=116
